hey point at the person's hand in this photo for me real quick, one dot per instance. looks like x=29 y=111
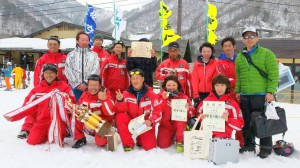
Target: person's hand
x=269 y=97
x=129 y=53
x=238 y=97
x=148 y=123
x=119 y=95
x=82 y=87
x=203 y=116
x=152 y=53
x=165 y=94
x=187 y=106
x=102 y=95
x=225 y=116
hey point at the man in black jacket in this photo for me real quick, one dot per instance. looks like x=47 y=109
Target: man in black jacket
x=147 y=65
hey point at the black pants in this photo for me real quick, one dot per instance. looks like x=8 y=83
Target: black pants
x=250 y=103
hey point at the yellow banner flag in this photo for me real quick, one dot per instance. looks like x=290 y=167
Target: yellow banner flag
x=213 y=24
x=212 y=37
x=168 y=34
x=164 y=12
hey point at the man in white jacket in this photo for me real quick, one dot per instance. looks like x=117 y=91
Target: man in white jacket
x=80 y=64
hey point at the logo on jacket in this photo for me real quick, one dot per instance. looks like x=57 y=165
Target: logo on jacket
x=181 y=66
x=227 y=102
x=98 y=101
x=147 y=98
x=63 y=61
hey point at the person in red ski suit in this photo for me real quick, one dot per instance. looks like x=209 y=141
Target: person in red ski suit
x=203 y=72
x=53 y=56
x=232 y=115
x=40 y=130
x=99 y=49
x=177 y=66
x=114 y=73
x=98 y=100
x=168 y=129
x=137 y=100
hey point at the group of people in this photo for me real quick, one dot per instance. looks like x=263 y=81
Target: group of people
x=119 y=89
x=19 y=75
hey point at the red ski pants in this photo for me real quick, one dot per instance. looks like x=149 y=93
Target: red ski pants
x=168 y=130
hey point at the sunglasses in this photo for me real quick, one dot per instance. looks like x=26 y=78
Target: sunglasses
x=249 y=37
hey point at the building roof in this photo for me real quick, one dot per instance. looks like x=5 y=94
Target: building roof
x=282 y=48
x=106 y=35
x=38 y=44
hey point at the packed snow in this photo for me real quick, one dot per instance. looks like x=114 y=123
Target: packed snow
x=16 y=152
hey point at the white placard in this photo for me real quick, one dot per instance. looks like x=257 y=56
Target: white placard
x=141 y=49
x=214 y=111
x=136 y=126
x=179 y=112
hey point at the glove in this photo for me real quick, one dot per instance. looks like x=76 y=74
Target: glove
x=196 y=102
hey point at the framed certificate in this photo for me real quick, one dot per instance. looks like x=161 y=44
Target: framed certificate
x=141 y=49
x=179 y=112
x=214 y=111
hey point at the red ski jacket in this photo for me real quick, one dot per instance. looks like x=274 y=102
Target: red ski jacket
x=59 y=59
x=148 y=104
x=114 y=74
x=102 y=55
x=104 y=108
x=41 y=110
x=202 y=76
x=235 y=117
x=226 y=66
x=178 y=67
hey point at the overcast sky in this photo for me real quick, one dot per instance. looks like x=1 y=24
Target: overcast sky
x=123 y=4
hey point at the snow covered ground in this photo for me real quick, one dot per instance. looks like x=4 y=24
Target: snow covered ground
x=15 y=153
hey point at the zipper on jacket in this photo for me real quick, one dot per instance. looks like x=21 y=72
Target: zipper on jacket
x=82 y=66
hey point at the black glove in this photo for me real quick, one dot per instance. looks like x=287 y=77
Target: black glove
x=196 y=102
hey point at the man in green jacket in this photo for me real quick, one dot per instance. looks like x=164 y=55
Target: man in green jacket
x=254 y=88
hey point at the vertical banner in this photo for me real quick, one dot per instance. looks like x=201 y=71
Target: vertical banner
x=90 y=23
x=118 y=22
x=212 y=24
x=168 y=34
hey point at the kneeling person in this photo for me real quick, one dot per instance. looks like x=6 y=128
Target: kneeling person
x=137 y=100
x=99 y=101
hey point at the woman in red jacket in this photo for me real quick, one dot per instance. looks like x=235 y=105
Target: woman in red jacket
x=98 y=100
x=233 y=116
x=51 y=122
x=137 y=100
x=168 y=129
x=203 y=72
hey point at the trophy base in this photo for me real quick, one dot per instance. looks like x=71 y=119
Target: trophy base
x=112 y=141
x=105 y=128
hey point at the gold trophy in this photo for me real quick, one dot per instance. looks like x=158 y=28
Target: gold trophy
x=90 y=119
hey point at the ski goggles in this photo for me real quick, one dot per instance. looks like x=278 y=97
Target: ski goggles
x=136 y=72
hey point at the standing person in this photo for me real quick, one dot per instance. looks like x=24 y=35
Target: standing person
x=99 y=49
x=137 y=100
x=18 y=73
x=114 y=74
x=24 y=79
x=252 y=88
x=80 y=64
x=225 y=65
x=53 y=56
x=7 y=76
x=147 y=65
x=203 y=72
x=98 y=100
x=177 y=66
x=232 y=114
x=168 y=129
x=40 y=130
